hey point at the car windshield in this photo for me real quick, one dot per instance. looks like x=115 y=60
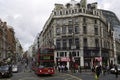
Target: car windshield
x=4 y=68
x=14 y=66
x=41 y=66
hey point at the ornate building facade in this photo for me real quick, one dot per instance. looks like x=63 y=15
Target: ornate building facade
x=7 y=41
x=80 y=35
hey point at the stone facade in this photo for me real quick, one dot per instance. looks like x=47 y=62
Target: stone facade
x=7 y=41
x=80 y=35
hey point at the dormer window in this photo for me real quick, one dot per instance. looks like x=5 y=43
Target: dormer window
x=78 y=4
x=68 y=5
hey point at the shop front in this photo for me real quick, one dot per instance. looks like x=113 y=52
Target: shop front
x=63 y=61
x=91 y=57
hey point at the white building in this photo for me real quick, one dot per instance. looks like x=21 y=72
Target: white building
x=79 y=33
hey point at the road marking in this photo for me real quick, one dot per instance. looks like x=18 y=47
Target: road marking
x=73 y=77
x=27 y=78
x=5 y=79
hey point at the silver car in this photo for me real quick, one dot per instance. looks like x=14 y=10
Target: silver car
x=112 y=70
x=14 y=68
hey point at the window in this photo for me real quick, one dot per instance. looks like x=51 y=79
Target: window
x=76 y=29
x=95 y=21
x=64 y=30
x=58 y=44
x=57 y=54
x=72 y=11
x=58 y=31
x=60 y=12
x=105 y=44
x=75 y=10
x=61 y=54
x=64 y=21
x=70 y=29
x=85 y=42
x=58 y=21
x=84 y=30
x=97 y=42
x=73 y=53
x=65 y=54
x=66 y=12
x=77 y=43
x=70 y=43
x=54 y=13
x=96 y=31
x=80 y=10
x=84 y=19
x=64 y=44
x=78 y=53
x=83 y=10
x=76 y=20
x=69 y=11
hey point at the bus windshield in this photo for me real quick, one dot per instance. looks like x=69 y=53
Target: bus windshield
x=46 y=51
x=46 y=64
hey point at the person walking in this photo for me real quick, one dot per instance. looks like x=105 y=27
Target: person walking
x=66 y=68
x=97 y=72
x=116 y=71
x=104 y=70
x=59 y=68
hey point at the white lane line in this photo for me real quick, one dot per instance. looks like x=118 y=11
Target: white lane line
x=73 y=77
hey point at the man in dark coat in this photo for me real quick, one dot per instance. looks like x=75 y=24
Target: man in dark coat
x=98 y=70
x=116 y=71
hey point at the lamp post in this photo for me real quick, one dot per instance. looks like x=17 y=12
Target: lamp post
x=73 y=46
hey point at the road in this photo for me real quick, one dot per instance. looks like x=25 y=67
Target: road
x=85 y=75
x=31 y=76
x=27 y=75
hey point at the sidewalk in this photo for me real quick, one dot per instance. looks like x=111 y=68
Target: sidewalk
x=89 y=75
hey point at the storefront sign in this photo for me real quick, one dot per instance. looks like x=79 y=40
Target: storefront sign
x=65 y=59
x=98 y=58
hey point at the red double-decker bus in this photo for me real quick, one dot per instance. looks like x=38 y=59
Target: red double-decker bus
x=45 y=61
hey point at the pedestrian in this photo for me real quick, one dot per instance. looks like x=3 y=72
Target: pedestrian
x=79 y=69
x=63 y=68
x=97 y=71
x=93 y=68
x=66 y=68
x=25 y=67
x=116 y=71
x=59 y=68
x=104 y=69
x=76 y=67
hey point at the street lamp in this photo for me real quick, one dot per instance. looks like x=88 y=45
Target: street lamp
x=71 y=55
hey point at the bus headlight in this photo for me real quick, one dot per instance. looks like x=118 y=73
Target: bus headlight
x=48 y=70
x=51 y=70
x=40 y=70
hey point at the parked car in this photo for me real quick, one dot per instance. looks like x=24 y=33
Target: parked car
x=14 y=68
x=112 y=70
x=5 y=71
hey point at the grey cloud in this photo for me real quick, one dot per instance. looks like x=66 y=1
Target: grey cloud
x=27 y=17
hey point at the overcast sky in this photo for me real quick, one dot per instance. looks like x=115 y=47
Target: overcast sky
x=28 y=17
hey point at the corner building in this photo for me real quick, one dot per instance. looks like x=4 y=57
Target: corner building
x=79 y=33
